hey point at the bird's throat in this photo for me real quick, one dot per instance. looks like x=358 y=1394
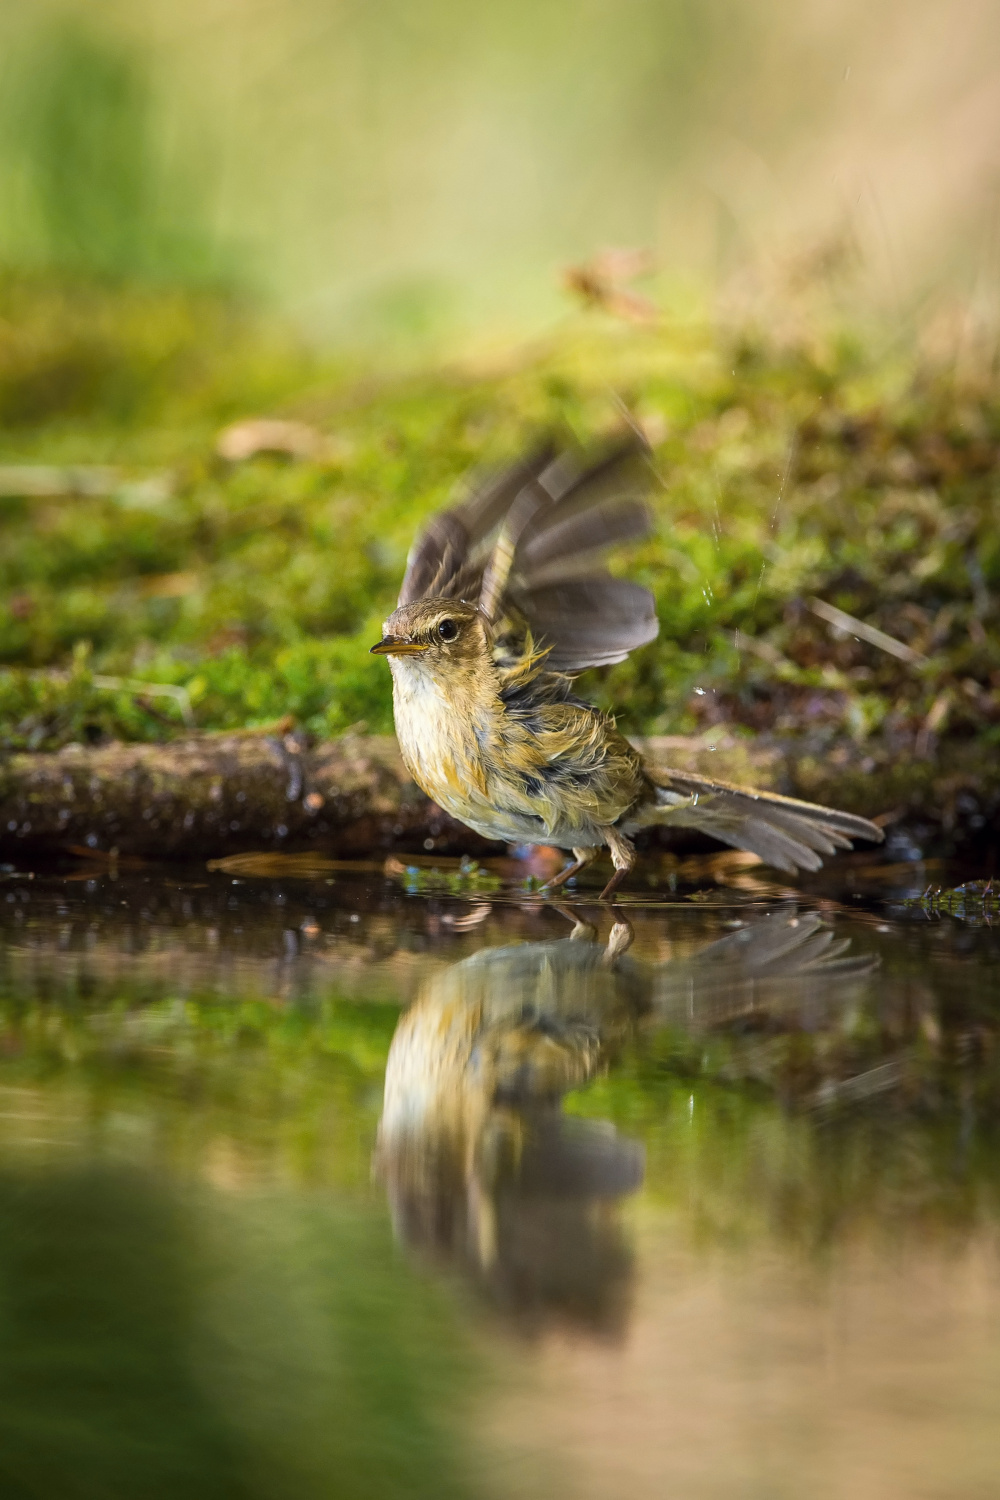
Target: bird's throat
x=442 y=725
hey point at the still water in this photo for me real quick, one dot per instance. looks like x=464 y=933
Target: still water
x=317 y=1182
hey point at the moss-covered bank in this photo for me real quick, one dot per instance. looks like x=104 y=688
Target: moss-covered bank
x=815 y=469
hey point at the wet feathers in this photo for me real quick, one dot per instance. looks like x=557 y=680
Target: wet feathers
x=506 y=596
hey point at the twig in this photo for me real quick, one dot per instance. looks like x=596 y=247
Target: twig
x=132 y=685
x=841 y=620
x=66 y=481
x=44 y=481
x=935 y=719
x=757 y=647
x=180 y=695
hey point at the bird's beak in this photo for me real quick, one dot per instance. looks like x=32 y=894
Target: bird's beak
x=391 y=645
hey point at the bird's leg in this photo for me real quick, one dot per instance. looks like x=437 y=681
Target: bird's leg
x=583 y=931
x=581 y=858
x=620 y=939
x=622 y=851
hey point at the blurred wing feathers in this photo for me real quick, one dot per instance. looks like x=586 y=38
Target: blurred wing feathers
x=529 y=546
x=588 y=622
x=786 y=833
x=450 y=553
x=571 y=544
x=756 y=964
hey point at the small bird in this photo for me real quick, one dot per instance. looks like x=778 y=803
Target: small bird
x=505 y=598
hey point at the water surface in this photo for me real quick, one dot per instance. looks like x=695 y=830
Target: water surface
x=336 y=1183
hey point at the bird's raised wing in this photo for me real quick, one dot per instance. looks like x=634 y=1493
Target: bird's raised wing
x=448 y=557
x=529 y=546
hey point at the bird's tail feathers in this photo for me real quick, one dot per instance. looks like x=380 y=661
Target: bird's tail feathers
x=784 y=832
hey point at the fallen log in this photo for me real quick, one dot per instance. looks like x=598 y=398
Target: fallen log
x=213 y=795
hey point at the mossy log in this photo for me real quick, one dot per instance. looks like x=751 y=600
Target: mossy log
x=213 y=795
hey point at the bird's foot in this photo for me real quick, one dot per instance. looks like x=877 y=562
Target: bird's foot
x=582 y=858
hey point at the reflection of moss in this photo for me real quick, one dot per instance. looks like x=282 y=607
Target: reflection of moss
x=976 y=901
x=162 y=1343
x=913 y=1140
x=346 y=1372
x=245 y=1337
x=293 y=1089
x=816 y=471
x=100 y=1393
x=877 y=1114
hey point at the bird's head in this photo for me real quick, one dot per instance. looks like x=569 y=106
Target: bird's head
x=440 y=637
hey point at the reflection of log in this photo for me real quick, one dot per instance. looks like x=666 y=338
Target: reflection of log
x=217 y=794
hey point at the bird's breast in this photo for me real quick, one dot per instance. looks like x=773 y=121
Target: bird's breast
x=499 y=776
x=453 y=750
x=438 y=740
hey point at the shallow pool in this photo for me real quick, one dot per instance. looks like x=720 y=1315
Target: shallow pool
x=337 y=1183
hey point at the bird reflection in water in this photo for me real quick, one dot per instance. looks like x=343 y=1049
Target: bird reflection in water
x=481 y=1165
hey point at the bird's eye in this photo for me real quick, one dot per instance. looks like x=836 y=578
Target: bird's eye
x=447 y=630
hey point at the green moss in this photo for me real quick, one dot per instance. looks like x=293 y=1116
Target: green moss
x=976 y=902
x=786 y=473
x=468 y=878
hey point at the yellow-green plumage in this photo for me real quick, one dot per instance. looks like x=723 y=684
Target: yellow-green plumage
x=504 y=598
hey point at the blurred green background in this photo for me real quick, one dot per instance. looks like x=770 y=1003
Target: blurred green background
x=361 y=218
x=420 y=170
